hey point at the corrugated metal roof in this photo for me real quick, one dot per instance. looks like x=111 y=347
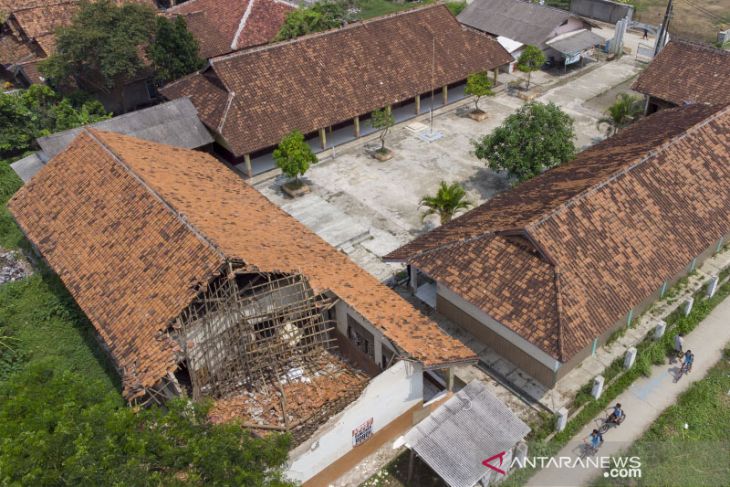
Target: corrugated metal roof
x=575 y=42
x=528 y=23
x=27 y=166
x=463 y=432
x=173 y=123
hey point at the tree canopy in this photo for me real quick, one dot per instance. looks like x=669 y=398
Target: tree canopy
x=323 y=15
x=107 y=45
x=535 y=138
x=531 y=59
x=382 y=120
x=38 y=111
x=293 y=155
x=478 y=85
x=174 y=52
x=57 y=429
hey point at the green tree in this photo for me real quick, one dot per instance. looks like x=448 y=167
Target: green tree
x=382 y=120
x=478 y=85
x=107 y=46
x=174 y=52
x=294 y=156
x=536 y=137
x=39 y=111
x=625 y=110
x=318 y=17
x=449 y=199
x=531 y=59
x=57 y=429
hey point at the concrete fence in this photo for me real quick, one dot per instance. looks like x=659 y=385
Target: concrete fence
x=603 y=10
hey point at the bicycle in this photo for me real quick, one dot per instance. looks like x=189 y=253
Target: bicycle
x=589 y=450
x=608 y=423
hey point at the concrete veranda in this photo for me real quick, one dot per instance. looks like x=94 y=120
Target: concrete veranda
x=645 y=400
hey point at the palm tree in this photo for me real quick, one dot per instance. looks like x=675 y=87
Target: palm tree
x=625 y=110
x=448 y=200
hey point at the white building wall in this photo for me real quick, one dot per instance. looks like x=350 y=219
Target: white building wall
x=387 y=396
x=572 y=24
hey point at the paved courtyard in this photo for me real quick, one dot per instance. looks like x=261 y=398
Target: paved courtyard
x=368 y=208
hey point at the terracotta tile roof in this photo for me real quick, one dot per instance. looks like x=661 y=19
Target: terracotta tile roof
x=608 y=223
x=155 y=221
x=13 y=51
x=42 y=21
x=323 y=79
x=134 y=251
x=223 y=26
x=686 y=72
x=29 y=33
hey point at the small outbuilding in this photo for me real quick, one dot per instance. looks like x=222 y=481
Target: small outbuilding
x=473 y=428
x=683 y=73
x=522 y=23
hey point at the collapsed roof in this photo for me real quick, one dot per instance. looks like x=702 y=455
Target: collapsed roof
x=562 y=257
x=254 y=98
x=158 y=224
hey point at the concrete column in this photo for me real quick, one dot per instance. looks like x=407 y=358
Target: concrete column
x=389 y=109
x=688 y=306
x=561 y=420
x=495 y=72
x=597 y=387
x=418 y=104
x=712 y=286
x=660 y=329
x=413 y=278
x=445 y=93
x=247 y=161
x=378 y=350
x=356 y=120
x=450 y=382
x=323 y=138
x=630 y=358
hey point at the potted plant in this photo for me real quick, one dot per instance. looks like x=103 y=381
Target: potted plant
x=478 y=85
x=382 y=120
x=294 y=156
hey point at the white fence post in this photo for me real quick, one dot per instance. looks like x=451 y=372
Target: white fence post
x=712 y=286
x=660 y=329
x=597 y=387
x=630 y=358
x=562 y=420
x=688 y=306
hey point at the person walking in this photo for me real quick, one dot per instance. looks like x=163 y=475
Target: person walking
x=646 y=34
x=679 y=345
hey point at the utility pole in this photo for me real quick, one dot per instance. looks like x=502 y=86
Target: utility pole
x=661 y=37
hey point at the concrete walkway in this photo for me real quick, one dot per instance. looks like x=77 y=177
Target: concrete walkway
x=645 y=400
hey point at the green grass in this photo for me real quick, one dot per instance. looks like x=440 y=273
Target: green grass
x=40 y=315
x=10 y=235
x=376 y=8
x=698 y=455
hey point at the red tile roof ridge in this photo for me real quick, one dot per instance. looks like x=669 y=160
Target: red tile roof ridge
x=646 y=157
x=242 y=24
x=702 y=45
x=314 y=35
x=98 y=137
